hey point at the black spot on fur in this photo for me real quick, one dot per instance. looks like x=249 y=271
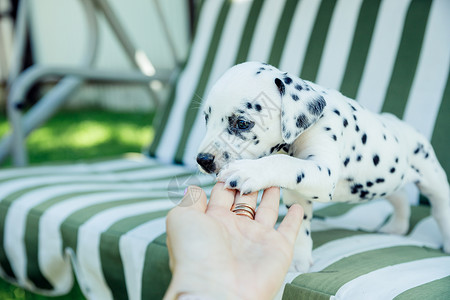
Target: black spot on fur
x=258 y=107
x=363 y=194
x=357 y=128
x=278 y=147
x=249 y=105
x=392 y=170
x=226 y=155
x=355 y=118
x=329 y=171
x=294 y=97
x=327 y=128
x=358 y=158
x=280 y=86
x=337 y=112
x=302 y=121
x=376 y=160
x=354 y=109
x=233 y=183
x=369 y=183
x=316 y=106
x=415 y=169
x=307 y=232
x=419 y=147
x=256 y=142
x=334 y=137
x=379 y=180
x=298 y=87
x=354 y=189
x=287 y=80
x=364 y=138
x=272 y=150
x=320 y=168
x=209 y=109
x=384 y=137
x=345 y=122
x=346 y=161
x=300 y=177
x=396 y=160
x=305 y=216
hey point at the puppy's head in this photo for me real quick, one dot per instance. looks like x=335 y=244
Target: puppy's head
x=255 y=110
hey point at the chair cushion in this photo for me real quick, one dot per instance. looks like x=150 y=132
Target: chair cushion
x=105 y=221
x=353 y=261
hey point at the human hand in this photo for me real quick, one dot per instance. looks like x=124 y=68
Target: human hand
x=217 y=254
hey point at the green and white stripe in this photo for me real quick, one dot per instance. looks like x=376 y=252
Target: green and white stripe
x=340 y=251
x=61 y=217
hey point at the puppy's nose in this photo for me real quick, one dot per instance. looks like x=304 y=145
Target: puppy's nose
x=206 y=161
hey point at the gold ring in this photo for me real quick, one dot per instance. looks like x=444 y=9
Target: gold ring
x=242 y=209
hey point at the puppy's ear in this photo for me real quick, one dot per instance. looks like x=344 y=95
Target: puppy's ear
x=301 y=106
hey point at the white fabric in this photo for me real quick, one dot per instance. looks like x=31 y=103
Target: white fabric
x=387 y=283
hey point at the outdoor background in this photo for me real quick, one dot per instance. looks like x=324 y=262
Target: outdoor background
x=100 y=120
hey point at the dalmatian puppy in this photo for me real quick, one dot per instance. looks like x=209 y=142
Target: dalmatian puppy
x=265 y=127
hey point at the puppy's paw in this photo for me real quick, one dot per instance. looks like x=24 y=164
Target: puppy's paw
x=447 y=247
x=244 y=175
x=301 y=262
x=395 y=226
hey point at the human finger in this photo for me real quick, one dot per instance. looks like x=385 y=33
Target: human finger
x=267 y=213
x=245 y=205
x=221 y=197
x=194 y=197
x=290 y=225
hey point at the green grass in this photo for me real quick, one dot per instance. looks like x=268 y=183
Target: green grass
x=75 y=135
x=87 y=134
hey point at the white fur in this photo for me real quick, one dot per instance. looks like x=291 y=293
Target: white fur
x=335 y=152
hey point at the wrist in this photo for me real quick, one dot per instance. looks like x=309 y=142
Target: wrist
x=187 y=285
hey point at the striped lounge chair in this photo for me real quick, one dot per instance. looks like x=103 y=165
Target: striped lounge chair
x=102 y=222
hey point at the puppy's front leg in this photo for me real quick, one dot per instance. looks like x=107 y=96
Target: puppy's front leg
x=302 y=260
x=314 y=180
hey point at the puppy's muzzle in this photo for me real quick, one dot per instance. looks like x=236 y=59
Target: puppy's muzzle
x=206 y=161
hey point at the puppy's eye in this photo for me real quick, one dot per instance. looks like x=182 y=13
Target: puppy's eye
x=242 y=124
x=239 y=124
